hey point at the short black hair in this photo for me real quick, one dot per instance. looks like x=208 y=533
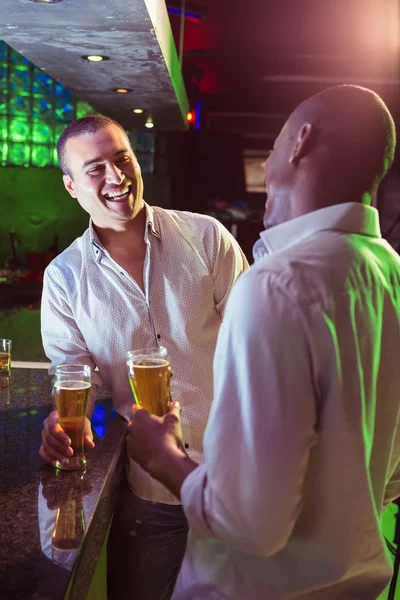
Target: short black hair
x=357 y=128
x=88 y=124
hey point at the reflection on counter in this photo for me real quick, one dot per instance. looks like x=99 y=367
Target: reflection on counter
x=61 y=515
x=5 y=390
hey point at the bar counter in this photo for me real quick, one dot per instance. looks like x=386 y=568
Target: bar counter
x=52 y=523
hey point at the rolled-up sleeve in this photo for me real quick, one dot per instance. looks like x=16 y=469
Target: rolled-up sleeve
x=261 y=429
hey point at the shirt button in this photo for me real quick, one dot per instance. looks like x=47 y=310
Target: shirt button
x=158 y=336
x=186 y=445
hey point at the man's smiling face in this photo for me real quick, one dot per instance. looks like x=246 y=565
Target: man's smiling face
x=104 y=176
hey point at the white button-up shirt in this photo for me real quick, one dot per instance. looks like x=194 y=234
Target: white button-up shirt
x=302 y=447
x=93 y=312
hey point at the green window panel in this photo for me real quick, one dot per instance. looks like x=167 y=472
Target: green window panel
x=20 y=81
x=83 y=109
x=3 y=129
x=19 y=154
x=19 y=106
x=19 y=130
x=3 y=153
x=3 y=102
x=34 y=109
x=42 y=132
x=42 y=156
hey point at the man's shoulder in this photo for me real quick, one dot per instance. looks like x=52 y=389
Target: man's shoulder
x=72 y=257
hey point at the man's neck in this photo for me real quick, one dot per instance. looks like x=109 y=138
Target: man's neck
x=128 y=234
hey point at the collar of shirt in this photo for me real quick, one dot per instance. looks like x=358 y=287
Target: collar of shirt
x=350 y=217
x=150 y=224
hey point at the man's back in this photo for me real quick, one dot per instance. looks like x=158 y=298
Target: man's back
x=322 y=408
x=348 y=288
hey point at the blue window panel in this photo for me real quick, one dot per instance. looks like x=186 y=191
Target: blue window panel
x=64 y=110
x=42 y=83
x=42 y=109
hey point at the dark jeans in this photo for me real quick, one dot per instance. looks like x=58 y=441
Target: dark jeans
x=145 y=548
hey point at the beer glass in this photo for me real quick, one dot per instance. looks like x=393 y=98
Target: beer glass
x=5 y=357
x=149 y=375
x=71 y=387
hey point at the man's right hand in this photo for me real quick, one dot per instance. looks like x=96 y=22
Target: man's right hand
x=56 y=445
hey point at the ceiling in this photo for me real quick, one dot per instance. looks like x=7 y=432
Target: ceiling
x=250 y=62
x=134 y=34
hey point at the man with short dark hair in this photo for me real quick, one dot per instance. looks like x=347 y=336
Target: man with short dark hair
x=302 y=447
x=140 y=276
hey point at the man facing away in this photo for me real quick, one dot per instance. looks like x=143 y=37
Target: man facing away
x=302 y=446
x=139 y=276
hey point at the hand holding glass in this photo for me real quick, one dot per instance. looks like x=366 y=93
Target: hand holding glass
x=71 y=389
x=149 y=375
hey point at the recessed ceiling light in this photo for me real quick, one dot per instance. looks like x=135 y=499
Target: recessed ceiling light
x=122 y=90
x=95 y=57
x=138 y=111
x=149 y=124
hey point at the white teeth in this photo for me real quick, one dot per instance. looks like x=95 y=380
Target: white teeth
x=116 y=195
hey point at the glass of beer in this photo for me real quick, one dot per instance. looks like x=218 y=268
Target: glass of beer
x=5 y=357
x=71 y=387
x=149 y=375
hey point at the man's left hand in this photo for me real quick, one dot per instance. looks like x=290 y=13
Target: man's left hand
x=155 y=443
x=151 y=437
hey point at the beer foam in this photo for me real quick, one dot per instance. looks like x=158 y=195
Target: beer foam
x=156 y=363
x=72 y=385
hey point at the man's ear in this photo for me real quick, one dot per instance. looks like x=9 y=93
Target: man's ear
x=69 y=185
x=303 y=143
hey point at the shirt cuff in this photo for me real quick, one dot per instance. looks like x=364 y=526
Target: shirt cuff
x=192 y=498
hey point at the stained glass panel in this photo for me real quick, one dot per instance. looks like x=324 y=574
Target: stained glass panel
x=19 y=130
x=15 y=58
x=42 y=132
x=3 y=102
x=42 y=83
x=42 y=156
x=60 y=90
x=20 y=81
x=42 y=109
x=19 y=154
x=3 y=153
x=3 y=77
x=19 y=105
x=3 y=128
x=83 y=109
x=3 y=52
x=34 y=110
x=64 y=110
